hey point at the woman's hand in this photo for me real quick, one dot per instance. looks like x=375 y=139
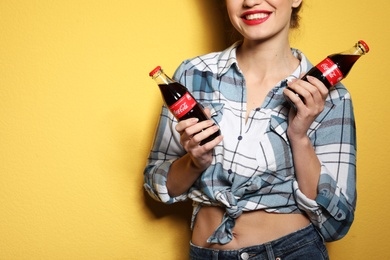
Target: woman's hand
x=192 y=133
x=314 y=93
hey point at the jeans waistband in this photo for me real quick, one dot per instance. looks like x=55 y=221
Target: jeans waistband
x=279 y=246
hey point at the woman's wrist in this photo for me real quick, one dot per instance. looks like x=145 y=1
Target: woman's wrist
x=298 y=139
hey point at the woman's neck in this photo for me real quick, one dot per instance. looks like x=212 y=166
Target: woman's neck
x=266 y=59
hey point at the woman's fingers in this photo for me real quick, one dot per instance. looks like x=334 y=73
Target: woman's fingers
x=320 y=87
x=203 y=130
x=183 y=125
x=313 y=92
x=193 y=132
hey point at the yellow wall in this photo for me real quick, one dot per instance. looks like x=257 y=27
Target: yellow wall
x=77 y=116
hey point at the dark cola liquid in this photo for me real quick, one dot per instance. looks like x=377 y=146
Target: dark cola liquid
x=344 y=63
x=172 y=93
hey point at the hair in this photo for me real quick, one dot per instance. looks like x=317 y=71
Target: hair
x=295 y=17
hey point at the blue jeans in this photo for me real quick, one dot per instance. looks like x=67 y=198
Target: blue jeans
x=304 y=244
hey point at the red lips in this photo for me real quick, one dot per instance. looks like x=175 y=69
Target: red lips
x=255 y=17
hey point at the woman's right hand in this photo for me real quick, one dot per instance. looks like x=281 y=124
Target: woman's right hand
x=192 y=133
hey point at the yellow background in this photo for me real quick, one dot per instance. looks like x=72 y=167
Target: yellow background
x=78 y=111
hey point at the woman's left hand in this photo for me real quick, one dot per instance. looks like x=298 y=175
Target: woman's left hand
x=314 y=93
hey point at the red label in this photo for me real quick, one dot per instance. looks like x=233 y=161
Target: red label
x=330 y=70
x=183 y=105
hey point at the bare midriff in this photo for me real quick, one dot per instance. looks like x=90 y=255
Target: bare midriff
x=251 y=228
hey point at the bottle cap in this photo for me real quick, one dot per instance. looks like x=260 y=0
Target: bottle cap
x=154 y=71
x=364 y=45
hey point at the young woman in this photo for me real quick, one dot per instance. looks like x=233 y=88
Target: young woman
x=278 y=181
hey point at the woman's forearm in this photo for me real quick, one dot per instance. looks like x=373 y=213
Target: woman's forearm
x=307 y=166
x=182 y=174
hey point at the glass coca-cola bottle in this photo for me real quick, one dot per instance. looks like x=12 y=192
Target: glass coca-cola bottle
x=335 y=67
x=179 y=100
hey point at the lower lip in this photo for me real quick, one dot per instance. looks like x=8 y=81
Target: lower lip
x=256 y=21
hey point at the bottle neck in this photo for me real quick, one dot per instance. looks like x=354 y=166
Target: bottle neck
x=161 y=78
x=358 y=49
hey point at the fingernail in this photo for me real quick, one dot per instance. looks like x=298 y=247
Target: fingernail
x=291 y=80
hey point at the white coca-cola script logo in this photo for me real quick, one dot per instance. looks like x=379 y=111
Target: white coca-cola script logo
x=329 y=71
x=183 y=107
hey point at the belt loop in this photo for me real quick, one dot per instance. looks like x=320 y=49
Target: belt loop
x=270 y=251
x=215 y=254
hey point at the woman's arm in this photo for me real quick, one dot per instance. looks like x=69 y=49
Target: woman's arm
x=176 y=159
x=306 y=163
x=186 y=170
x=307 y=166
x=333 y=138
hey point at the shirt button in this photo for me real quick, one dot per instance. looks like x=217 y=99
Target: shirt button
x=245 y=256
x=230 y=171
x=239 y=138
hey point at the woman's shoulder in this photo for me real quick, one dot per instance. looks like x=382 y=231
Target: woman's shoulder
x=212 y=62
x=202 y=62
x=339 y=95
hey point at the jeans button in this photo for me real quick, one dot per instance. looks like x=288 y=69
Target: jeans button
x=245 y=256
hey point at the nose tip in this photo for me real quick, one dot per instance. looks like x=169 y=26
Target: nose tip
x=251 y=3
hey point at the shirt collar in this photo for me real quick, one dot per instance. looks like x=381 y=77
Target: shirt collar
x=227 y=58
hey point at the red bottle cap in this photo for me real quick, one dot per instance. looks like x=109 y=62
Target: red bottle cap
x=154 y=71
x=365 y=45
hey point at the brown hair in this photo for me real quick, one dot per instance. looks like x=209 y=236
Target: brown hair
x=295 y=18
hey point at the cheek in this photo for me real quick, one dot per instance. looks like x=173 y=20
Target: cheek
x=233 y=10
x=231 y=16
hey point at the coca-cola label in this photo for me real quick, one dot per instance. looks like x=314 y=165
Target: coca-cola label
x=183 y=105
x=330 y=70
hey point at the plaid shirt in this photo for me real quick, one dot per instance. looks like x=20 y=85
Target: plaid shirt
x=252 y=167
